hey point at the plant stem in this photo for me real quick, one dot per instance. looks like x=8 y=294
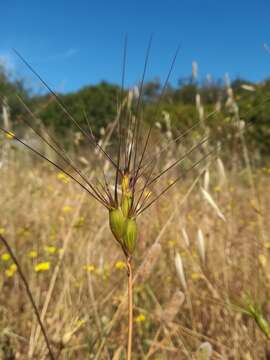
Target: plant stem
x=130 y=308
x=30 y=296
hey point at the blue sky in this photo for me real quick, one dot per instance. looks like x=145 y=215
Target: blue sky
x=76 y=43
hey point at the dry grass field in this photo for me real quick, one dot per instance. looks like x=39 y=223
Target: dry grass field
x=201 y=268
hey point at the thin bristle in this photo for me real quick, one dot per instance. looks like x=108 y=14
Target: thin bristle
x=56 y=165
x=58 y=149
x=64 y=108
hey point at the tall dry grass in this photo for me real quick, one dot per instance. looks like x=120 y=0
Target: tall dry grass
x=201 y=266
x=78 y=275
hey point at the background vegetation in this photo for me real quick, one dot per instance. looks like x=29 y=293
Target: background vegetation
x=202 y=264
x=98 y=102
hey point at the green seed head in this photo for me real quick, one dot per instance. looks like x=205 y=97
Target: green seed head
x=130 y=235
x=262 y=323
x=126 y=204
x=117 y=223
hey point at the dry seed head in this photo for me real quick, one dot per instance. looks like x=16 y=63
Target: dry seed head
x=194 y=70
x=180 y=271
x=198 y=101
x=201 y=245
x=248 y=87
x=185 y=237
x=206 y=180
x=221 y=172
x=173 y=306
x=204 y=351
x=211 y=201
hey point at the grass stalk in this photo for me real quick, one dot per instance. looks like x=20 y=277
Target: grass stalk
x=29 y=294
x=130 y=308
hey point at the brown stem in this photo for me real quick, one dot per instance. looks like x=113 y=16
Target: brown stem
x=30 y=296
x=130 y=308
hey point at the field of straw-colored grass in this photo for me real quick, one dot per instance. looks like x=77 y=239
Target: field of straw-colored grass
x=202 y=256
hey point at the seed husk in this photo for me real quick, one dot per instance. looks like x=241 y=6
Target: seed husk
x=117 y=223
x=130 y=235
x=126 y=205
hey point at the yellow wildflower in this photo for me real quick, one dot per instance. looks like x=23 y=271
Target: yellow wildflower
x=5 y=257
x=2 y=231
x=67 y=209
x=43 y=266
x=172 y=243
x=89 y=268
x=254 y=205
x=50 y=249
x=32 y=254
x=23 y=232
x=217 y=189
x=266 y=170
x=81 y=322
x=183 y=253
x=9 y=273
x=140 y=318
x=63 y=177
x=267 y=245
x=262 y=260
x=11 y=270
x=120 y=265
x=13 y=267
x=79 y=221
x=196 y=276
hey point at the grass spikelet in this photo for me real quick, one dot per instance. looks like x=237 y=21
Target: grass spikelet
x=222 y=179
x=201 y=246
x=180 y=270
x=255 y=312
x=185 y=237
x=172 y=308
x=206 y=180
x=213 y=204
x=204 y=351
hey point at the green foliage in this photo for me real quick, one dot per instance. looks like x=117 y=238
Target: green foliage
x=98 y=104
x=8 y=89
